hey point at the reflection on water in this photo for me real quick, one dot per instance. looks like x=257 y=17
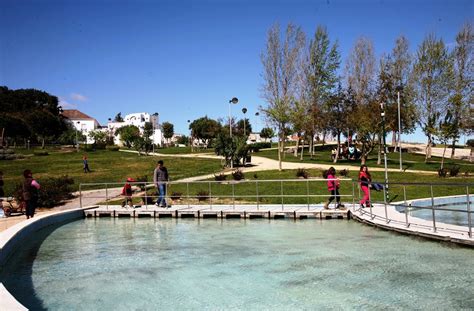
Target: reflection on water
x=169 y=264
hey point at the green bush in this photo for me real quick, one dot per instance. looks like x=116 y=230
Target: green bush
x=301 y=172
x=442 y=172
x=238 y=175
x=112 y=147
x=202 y=195
x=255 y=147
x=53 y=191
x=176 y=196
x=454 y=170
x=220 y=177
x=99 y=146
x=344 y=173
x=41 y=153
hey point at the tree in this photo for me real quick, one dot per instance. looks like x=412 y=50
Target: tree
x=148 y=132
x=447 y=128
x=399 y=72
x=205 y=129
x=99 y=137
x=128 y=134
x=168 y=131
x=233 y=149
x=267 y=133
x=118 y=117
x=280 y=74
x=462 y=84
x=239 y=131
x=360 y=70
x=321 y=78
x=431 y=81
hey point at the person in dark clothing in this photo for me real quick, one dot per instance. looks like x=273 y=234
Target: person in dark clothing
x=86 y=164
x=160 y=178
x=30 y=193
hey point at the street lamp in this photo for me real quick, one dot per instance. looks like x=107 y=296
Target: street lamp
x=155 y=115
x=190 y=136
x=234 y=101
x=382 y=114
x=244 y=110
x=77 y=141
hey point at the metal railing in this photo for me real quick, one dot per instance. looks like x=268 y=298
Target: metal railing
x=296 y=191
x=290 y=191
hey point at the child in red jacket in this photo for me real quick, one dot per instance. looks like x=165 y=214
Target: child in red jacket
x=127 y=192
x=333 y=188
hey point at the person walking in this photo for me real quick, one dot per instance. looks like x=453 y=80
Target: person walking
x=364 y=181
x=30 y=193
x=333 y=188
x=160 y=178
x=86 y=164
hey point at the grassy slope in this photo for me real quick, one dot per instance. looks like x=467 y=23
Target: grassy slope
x=106 y=166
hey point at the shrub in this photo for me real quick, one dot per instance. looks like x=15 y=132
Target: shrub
x=255 y=147
x=442 y=172
x=454 y=170
x=112 y=148
x=238 y=175
x=53 y=191
x=99 y=146
x=176 y=196
x=41 y=153
x=142 y=179
x=220 y=177
x=255 y=176
x=301 y=172
x=202 y=195
x=86 y=147
x=344 y=172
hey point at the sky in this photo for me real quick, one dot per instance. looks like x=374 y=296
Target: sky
x=187 y=59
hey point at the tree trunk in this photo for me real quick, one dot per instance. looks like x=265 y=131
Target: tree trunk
x=280 y=146
x=442 y=158
x=471 y=155
x=428 y=149
x=295 y=153
x=337 y=148
x=42 y=143
x=394 y=141
x=453 y=148
x=312 y=144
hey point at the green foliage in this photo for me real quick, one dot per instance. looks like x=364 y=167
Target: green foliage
x=267 y=133
x=470 y=143
x=205 y=129
x=301 y=172
x=220 y=177
x=255 y=147
x=99 y=137
x=232 y=148
x=454 y=170
x=168 y=130
x=118 y=117
x=40 y=153
x=128 y=134
x=53 y=191
x=176 y=195
x=112 y=148
x=238 y=174
x=202 y=195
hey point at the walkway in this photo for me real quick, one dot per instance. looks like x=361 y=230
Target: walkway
x=391 y=219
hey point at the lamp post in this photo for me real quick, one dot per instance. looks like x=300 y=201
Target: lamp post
x=382 y=114
x=244 y=110
x=155 y=116
x=234 y=101
x=190 y=136
x=77 y=141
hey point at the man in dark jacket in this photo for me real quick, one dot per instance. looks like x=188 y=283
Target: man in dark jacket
x=160 y=178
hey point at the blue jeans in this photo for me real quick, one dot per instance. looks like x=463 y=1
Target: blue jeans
x=161 y=194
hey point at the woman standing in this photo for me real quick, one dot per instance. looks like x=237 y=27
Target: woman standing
x=30 y=193
x=364 y=181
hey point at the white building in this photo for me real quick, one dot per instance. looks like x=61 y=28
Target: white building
x=81 y=122
x=138 y=119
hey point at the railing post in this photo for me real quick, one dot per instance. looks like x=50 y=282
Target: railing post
x=433 y=209
x=353 y=196
x=469 y=212
x=406 y=205
x=233 y=196
x=256 y=186
x=187 y=193
x=80 y=195
x=281 y=194
x=106 y=196
x=146 y=196
x=210 y=195
x=370 y=201
x=307 y=191
x=384 y=202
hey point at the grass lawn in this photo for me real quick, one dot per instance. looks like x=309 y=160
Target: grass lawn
x=106 y=166
x=410 y=160
x=183 y=150
x=316 y=188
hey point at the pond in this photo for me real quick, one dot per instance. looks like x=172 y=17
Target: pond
x=193 y=264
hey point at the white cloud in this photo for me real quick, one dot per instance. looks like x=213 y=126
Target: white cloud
x=65 y=104
x=78 y=97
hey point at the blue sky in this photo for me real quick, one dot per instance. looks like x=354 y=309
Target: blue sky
x=186 y=59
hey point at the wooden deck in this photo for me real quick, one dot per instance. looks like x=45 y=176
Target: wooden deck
x=222 y=211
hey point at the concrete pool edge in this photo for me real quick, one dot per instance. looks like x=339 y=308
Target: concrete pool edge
x=14 y=236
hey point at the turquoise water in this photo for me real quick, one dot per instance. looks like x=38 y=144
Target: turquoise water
x=191 y=264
